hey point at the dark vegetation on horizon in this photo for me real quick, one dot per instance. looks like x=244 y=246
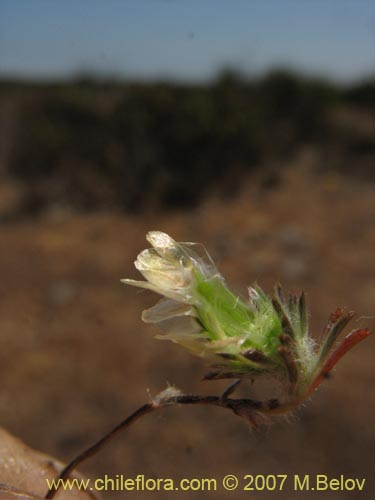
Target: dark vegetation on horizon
x=94 y=144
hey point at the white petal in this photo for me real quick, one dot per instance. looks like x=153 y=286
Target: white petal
x=150 y=259
x=172 y=280
x=166 y=309
x=140 y=284
x=164 y=244
x=182 y=325
x=170 y=293
x=161 y=240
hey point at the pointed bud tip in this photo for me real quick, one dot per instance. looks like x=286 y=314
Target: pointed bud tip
x=160 y=240
x=128 y=281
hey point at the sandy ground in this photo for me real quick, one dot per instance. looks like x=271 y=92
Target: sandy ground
x=75 y=357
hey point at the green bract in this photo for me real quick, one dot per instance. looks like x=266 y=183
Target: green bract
x=261 y=335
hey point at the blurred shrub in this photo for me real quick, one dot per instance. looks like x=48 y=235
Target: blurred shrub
x=95 y=144
x=362 y=93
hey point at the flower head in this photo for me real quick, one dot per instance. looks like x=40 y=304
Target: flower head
x=261 y=335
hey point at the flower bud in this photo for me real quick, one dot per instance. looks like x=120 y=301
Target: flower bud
x=261 y=335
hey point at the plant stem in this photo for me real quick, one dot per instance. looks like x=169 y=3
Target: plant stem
x=242 y=407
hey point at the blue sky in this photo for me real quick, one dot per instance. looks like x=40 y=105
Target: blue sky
x=186 y=39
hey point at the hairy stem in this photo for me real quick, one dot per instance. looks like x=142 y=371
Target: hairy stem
x=243 y=407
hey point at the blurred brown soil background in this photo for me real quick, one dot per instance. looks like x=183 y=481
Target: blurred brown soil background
x=275 y=177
